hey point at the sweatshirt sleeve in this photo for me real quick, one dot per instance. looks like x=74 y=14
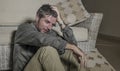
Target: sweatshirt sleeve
x=69 y=36
x=26 y=35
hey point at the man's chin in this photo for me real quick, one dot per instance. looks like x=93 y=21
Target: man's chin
x=44 y=31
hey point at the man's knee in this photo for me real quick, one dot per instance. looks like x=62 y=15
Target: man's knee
x=47 y=52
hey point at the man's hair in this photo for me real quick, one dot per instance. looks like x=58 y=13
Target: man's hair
x=46 y=9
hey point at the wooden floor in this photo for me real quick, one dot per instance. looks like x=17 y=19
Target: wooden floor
x=110 y=49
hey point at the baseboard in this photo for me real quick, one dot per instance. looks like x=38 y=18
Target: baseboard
x=108 y=37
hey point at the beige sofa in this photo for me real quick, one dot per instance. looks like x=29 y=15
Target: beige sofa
x=90 y=21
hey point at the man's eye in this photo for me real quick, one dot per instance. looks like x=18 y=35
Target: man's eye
x=54 y=25
x=47 y=21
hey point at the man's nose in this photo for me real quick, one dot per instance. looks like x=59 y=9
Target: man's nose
x=50 y=27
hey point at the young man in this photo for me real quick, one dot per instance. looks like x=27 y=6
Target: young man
x=39 y=48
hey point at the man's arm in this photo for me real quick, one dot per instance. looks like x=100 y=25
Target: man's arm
x=66 y=30
x=70 y=38
x=27 y=35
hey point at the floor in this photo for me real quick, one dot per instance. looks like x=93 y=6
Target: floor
x=110 y=49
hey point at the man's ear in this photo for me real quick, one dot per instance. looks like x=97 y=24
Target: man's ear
x=36 y=18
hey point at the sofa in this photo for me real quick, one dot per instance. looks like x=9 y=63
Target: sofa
x=86 y=20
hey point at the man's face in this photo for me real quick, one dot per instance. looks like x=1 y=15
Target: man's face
x=46 y=23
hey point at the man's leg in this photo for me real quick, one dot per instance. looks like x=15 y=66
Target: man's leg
x=45 y=59
x=69 y=61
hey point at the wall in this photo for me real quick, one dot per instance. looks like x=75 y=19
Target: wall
x=13 y=12
x=111 y=20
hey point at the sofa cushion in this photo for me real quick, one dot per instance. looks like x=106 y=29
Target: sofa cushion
x=97 y=62
x=72 y=11
x=80 y=33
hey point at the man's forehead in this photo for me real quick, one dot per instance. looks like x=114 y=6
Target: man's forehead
x=50 y=18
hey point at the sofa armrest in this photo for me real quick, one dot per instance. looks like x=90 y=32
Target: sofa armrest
x=93 y=24
x=5 y=57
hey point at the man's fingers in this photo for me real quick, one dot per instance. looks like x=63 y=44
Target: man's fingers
x=83 y=61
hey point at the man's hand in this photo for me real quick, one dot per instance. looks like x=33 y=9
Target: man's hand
x=59 y=19
x=80 y=54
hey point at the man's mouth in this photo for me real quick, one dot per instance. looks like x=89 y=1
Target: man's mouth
x=46 y=30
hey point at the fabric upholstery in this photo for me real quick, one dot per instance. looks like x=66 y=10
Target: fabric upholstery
x=96 y=62
x=5 y=57
x=72 y=11
x=80 y=33
x=92 y=24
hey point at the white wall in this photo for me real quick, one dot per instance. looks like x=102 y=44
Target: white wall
x=15 y=11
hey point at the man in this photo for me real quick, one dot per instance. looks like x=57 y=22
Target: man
x=39 y=48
